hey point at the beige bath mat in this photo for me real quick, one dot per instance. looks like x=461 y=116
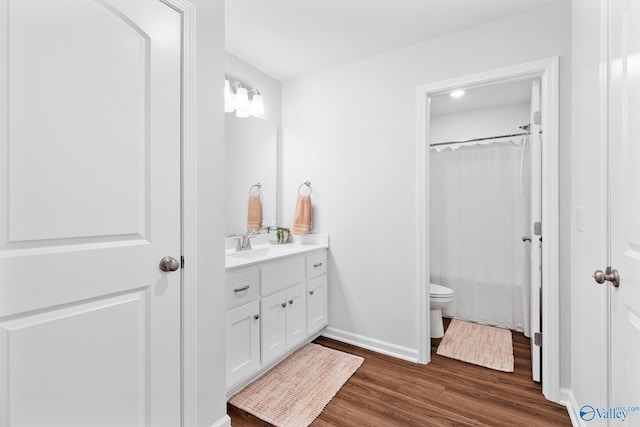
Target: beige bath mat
x=295 y=392
x=478 y=344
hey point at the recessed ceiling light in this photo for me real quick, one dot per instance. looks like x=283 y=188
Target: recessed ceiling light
x=457 y=93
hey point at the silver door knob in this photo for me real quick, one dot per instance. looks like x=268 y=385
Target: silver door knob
x=609 y=275
x=169 y=263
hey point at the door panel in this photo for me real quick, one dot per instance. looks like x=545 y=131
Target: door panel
x=296 y=315
x=624 y=146
x=56 y=357
x=273 y=338
x=243 y=342
x=90 y=203
x=316 y=304
x=48 y=199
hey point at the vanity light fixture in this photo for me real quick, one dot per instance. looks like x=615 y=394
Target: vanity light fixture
x=457 y=93
x=236 y=98
x=257 y=106
x=242 y=102
x=229 y=98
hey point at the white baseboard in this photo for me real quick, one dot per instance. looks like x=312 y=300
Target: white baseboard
x=568 y=399
x=394 y=350
x=222 y=422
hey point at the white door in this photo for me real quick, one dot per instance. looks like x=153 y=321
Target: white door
x=535 y=273
x=89 y=204
x=624 y=149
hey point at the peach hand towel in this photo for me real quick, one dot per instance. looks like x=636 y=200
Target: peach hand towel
x=302 y=217
x=254 y=216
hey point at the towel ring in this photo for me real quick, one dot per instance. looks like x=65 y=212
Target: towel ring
x=307 y=184
x=258 y=186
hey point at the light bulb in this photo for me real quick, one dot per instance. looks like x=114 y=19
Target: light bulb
x=257 y=106
x=228 y=97
x=242 y=101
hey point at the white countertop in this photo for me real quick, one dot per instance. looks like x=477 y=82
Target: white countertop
x=267 y=252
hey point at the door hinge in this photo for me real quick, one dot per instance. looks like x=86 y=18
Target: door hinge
x=181 y=261
x=537 y=339
x=537 y=118
x=537 y=228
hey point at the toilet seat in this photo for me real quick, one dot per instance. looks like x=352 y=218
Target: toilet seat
x=439 y=291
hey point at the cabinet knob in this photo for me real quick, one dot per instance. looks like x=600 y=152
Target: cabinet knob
x=284 y=304
x=290 y=302
x=310 y=292
x=256 y=316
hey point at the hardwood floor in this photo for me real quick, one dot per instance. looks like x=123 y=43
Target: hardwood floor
x=386 y=391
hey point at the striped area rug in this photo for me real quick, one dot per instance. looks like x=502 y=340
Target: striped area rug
x=295 y=391
x=478 y=344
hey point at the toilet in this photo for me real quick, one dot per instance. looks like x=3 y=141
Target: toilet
x=440 y=297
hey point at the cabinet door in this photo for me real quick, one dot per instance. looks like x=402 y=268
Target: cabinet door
x=296 y=315
x=274 y=326
x=243 y=342
x=316 y=304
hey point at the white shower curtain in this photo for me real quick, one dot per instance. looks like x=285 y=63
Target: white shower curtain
x=479 y=211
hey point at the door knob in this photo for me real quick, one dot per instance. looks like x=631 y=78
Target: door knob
x=609 y=275
x=169 y=263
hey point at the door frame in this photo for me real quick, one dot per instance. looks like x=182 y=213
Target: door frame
x=547 y=70
x=188 y=368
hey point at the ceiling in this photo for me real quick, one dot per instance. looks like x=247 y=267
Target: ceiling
x=289 y=38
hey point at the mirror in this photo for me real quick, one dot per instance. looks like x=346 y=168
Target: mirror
x=251 y=158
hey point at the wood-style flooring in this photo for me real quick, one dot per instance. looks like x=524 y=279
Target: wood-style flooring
x=386 y=391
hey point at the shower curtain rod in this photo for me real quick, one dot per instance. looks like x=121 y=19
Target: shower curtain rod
x=480 y=139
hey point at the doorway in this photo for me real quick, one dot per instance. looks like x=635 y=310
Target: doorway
x=545 y=71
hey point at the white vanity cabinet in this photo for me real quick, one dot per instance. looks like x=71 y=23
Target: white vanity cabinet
x=284 y=323
x=242 y=325
x=284 y=312
x=316 y=292
x=273 y=307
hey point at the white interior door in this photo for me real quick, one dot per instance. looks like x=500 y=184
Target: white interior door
x=624 y=146
x=89 y=204
x=535 y=273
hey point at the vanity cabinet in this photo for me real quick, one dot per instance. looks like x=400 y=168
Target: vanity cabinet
x=242 y=325
x=316 y=274
x=243 y=341
x=284 y=322
x=316 y=304
x=273 y=307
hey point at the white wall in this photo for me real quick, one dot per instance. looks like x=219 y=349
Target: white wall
x=209 y=404
x=351 y=131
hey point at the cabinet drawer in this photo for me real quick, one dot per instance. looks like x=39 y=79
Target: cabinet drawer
x=316 y=265
x=242 y=288
x=282 y=275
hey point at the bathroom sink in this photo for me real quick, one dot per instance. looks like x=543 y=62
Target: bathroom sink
x=259 y=252
x=252 y=253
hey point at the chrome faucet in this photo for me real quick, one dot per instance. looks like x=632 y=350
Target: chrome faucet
x=244 y=242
